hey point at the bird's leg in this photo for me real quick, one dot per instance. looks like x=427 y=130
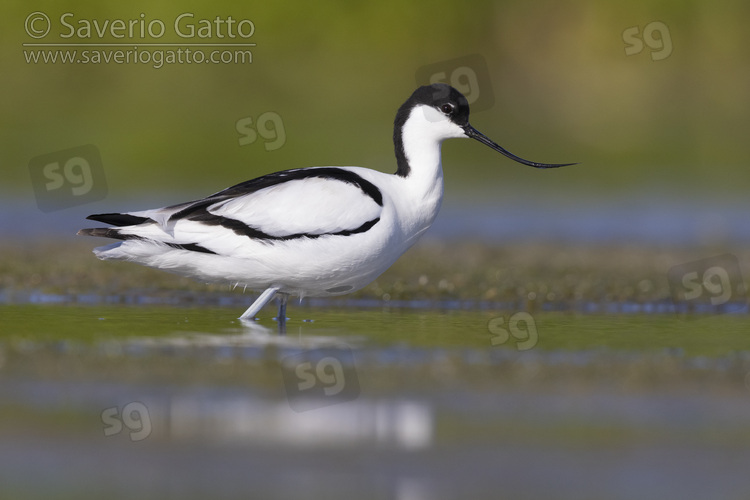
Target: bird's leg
x=281 y=318
x=264 y=299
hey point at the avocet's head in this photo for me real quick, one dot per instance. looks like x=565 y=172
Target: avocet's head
x=437 y=112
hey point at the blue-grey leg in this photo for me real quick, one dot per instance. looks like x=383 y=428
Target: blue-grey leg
x=281 y=318
x=264 y=299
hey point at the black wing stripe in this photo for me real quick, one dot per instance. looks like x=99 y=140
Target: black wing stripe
x=108 y=232
x=193 y=247
x=361 y=229
x=119 y=219
x=274 y=179
x=242 y=229
x=105 y=232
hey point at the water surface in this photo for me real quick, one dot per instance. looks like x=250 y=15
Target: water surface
x=175 y=401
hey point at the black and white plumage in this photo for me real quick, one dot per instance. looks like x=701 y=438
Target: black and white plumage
x=318 y=231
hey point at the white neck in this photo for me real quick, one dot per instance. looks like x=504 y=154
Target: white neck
x=424 y=183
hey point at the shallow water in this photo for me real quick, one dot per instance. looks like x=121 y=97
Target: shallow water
x=378 y=402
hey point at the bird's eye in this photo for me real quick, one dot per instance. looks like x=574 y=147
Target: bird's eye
x=447 y=108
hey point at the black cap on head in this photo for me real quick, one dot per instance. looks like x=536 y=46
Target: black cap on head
x=443 y=97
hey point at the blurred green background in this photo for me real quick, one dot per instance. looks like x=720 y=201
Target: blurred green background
x=335 y=72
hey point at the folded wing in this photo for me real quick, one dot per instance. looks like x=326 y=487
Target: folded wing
x=304 y=203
